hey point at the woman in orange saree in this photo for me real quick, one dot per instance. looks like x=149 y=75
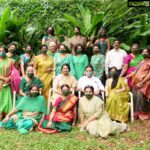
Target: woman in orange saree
x=141 y=88
x=63 y=115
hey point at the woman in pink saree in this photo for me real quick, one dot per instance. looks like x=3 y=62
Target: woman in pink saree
x=131 y=61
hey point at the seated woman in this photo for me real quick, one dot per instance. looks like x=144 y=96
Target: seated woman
x=117 y=97
x=63 y=115
x=27 y=113
x=141 y=88
x=63 y=78
x=93 y=117
x=27 y=81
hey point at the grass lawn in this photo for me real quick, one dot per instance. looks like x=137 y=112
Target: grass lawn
x=138 y=138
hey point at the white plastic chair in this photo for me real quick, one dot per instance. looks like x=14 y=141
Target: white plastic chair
x=130 y=104
x=131 y=107
x=14 y=99
x=49 y=100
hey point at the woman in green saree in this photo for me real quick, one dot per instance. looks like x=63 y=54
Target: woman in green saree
x=27 y=113
x=63 y=115
x=27 y=81
x=117 y=97
x=5 y=91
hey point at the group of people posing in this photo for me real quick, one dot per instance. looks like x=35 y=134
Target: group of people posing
x=87 y=82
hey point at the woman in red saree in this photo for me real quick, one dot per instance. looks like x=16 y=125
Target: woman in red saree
x=63 y=115
x=141 y=88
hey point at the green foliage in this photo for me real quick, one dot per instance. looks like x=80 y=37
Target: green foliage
x=3 y=23
x=85 y=20
x=75 y=140
x=25 y=21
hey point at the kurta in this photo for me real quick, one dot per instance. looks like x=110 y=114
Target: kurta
x=102 y=126
x=60 y=60
x=103 y=46
x=80 y=62
x=98 y=64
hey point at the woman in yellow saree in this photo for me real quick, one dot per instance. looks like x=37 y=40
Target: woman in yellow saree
x=63 y=115
x=43 y=65
x=117 y=97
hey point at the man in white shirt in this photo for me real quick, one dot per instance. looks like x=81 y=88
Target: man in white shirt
x=115 y=58
x=89 y=79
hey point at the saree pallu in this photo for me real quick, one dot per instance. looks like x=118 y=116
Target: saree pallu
x=117 y=103
x=63 y=118
x=141 y=96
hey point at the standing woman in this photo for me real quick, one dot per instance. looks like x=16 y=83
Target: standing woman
x=98 y=62
x=103 y=42
x=43 y=66
x=26 y=59
x=76 y=39
x=12 y=54
x=50 y=36
x=141 y=88
x=62 y=58
x=5 y=91
x=131 y=62
x=80 y=61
